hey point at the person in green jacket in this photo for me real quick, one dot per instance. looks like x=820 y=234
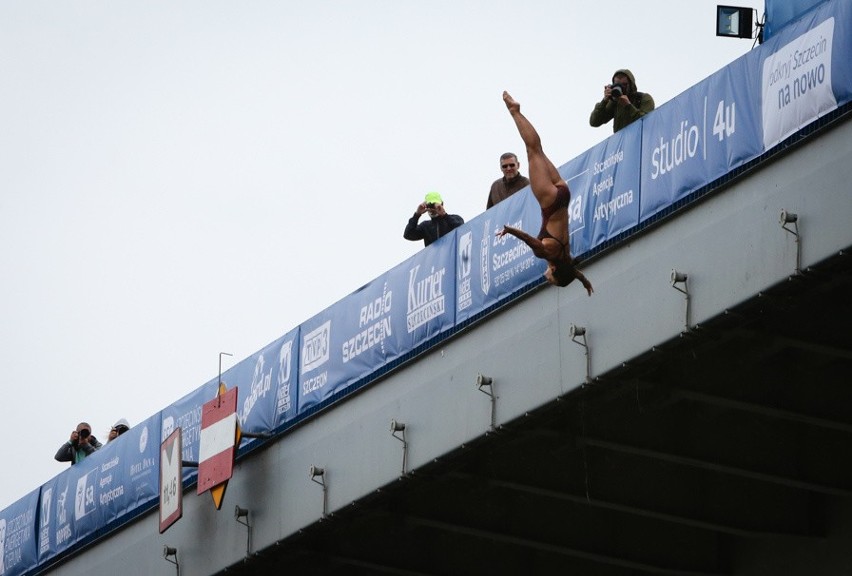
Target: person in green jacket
x=621 y=103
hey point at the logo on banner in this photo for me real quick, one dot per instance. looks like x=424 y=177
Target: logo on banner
x=63 y=529
x=44 y=533
x=168 y=426
x=316 y=347
x=485 y=271
x=797 y=83
x=261 y=383
x=425 y=297
x=465 y=255
x=61 y=507
x=46 y=498
x=84 y=499
x=143 y=440
x=285 y=356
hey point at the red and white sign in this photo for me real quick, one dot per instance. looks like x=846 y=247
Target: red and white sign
x=218 y=439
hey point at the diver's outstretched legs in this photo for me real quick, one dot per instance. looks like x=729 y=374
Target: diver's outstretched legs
x=543 y=174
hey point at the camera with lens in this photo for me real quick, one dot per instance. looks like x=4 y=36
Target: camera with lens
x=616 y=91
x=431 y=205
x=84 y=433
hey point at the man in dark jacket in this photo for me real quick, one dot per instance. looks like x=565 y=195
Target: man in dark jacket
x=621 y=102
x=81 y=444
x=439 y=224
x=511 y=182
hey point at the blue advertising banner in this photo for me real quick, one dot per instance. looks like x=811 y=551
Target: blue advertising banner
x=779 y=13
x=56 y=531
x=266 y=399
x=128 y=470
x=186 y=415
x=347 y=341
x=70 y=500
x=805 y=71
x=18 y=535
x=700 y=135
x=604 y=183
x=120 y=477
x=489 y=268
x=426 y=282
x=373 y=326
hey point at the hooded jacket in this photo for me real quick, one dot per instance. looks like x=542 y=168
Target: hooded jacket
x=640 y=104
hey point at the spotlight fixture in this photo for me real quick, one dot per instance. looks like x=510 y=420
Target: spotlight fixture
x=788 y=217
x=397 y=426
x=241 y=513
x=482 y=380
x=734 y=21
x=679 y=277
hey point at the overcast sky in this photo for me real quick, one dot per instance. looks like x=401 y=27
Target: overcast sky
x=183 y=178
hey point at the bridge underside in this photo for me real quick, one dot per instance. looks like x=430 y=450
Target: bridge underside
x=726 y=450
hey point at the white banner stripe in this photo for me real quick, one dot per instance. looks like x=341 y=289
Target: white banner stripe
x=218 y=437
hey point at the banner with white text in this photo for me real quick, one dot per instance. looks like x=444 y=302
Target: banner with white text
x=489 y=268
x=361 y=333
x=700 y=136
x=186 y=415
x=604 y=183
x=120 y=477
x=267 y=385
x=18 y=536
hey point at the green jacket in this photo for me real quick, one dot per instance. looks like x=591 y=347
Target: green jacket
x=640 y=104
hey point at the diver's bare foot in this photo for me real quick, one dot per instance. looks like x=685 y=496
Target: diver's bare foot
x=510 y=103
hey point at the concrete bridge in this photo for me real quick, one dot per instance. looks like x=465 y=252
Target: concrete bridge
x=660 y=427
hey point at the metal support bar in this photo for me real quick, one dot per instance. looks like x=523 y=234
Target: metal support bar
x=580 y=331
x=681 y=278
x=483 y=382
x=400 y=427
x=317 y=472
x=792 y=218
x=242 y=517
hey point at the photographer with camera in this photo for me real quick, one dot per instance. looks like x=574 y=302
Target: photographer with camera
x=118 y=429
x=80 y=445
x=621 y=103
x=439 y=224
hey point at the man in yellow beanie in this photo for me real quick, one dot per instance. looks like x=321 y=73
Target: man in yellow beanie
x=439 y=224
